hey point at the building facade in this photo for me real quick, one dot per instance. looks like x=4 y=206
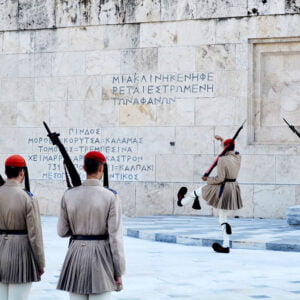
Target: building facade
x=149 y=83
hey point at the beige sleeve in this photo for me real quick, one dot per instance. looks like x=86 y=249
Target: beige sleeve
x=34 y=228
x=63 y=225
x=220 y=173
x=115 y=231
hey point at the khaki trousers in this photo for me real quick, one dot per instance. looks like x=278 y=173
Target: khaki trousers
x=14 y=291
x=104 y=296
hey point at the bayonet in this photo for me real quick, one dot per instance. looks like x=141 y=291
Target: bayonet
x=292 y=127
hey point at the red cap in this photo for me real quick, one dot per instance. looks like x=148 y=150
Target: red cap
x=15 y=161
x=229 y=141
x=96 y=155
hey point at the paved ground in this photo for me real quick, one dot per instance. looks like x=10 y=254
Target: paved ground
x=259 y=234
x=161 y=271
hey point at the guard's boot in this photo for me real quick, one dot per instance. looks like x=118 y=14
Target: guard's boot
x=220 y=249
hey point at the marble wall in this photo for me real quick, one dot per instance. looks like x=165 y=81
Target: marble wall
x=149 y=83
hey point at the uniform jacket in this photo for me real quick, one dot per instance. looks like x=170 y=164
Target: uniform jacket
x=91 y=209
x=19 y=211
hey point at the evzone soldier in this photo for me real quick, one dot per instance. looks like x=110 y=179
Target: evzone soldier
x=221 y=192
x=91 y=215
x=22 y=258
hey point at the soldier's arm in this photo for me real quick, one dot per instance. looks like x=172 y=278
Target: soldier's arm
x=115 y=231
x=220 y=173
x=34 y=228
x=63 y=225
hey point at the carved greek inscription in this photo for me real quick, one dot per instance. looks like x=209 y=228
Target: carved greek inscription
x=124 y=162
x=160 y=88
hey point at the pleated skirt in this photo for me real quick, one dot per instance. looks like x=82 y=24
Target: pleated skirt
x=88 y=268
x=17 y=263
x=227 y=197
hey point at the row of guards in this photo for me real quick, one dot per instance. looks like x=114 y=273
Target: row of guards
x=91 y=216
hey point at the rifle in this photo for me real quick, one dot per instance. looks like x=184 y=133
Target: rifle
x=209 y=170
x=292 y=128
x=68 y=164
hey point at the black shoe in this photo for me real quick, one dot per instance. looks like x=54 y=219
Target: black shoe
x=220 y=249
x=180 y=195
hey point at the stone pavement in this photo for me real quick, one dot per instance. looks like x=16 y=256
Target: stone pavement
x=262 y=234
x=165 y=271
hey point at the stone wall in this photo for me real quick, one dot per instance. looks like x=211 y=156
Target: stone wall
x=150 y=83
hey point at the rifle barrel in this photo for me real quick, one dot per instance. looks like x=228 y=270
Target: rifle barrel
x=286 y=122
x=47 y=128
x=292 y=127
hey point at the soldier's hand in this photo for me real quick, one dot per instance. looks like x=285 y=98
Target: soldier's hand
x=119 y=283
x=204 y=178
x=218 y=138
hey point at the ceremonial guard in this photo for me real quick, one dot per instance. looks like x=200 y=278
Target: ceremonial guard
x=21 y=246
x=91 y=215
x=221 y=192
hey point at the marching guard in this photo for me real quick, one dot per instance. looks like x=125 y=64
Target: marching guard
x=91 y=215
x=221 y=192
x=22 y=258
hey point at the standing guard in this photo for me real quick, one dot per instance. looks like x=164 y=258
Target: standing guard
x=221 y=192
x=22 y=258
x=91 y=215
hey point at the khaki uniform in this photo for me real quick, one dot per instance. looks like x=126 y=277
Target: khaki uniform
x=220 y=194
x=21 y=256
x=90 y=267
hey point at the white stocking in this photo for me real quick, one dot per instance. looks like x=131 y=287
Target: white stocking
x=104 y=296
x=191 y=197
x=3 y=291
x=223 y=219
x=18 y=291
x=78 y=296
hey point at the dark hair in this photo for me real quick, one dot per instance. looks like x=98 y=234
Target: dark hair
x=91 y=165
x=231 y=147
x=13 y=172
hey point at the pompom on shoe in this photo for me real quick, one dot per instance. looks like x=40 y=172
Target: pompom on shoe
x=220 y=249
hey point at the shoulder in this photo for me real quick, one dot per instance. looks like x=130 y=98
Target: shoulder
x=237 y=155
x=222 y=159
x=72 y=190
x=112 y=191
x=29 y=193
x=108 y=193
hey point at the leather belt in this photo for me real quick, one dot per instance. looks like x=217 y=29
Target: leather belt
x=223 y=184
x=16 y=232
x=229 y=180
x=89 y=237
